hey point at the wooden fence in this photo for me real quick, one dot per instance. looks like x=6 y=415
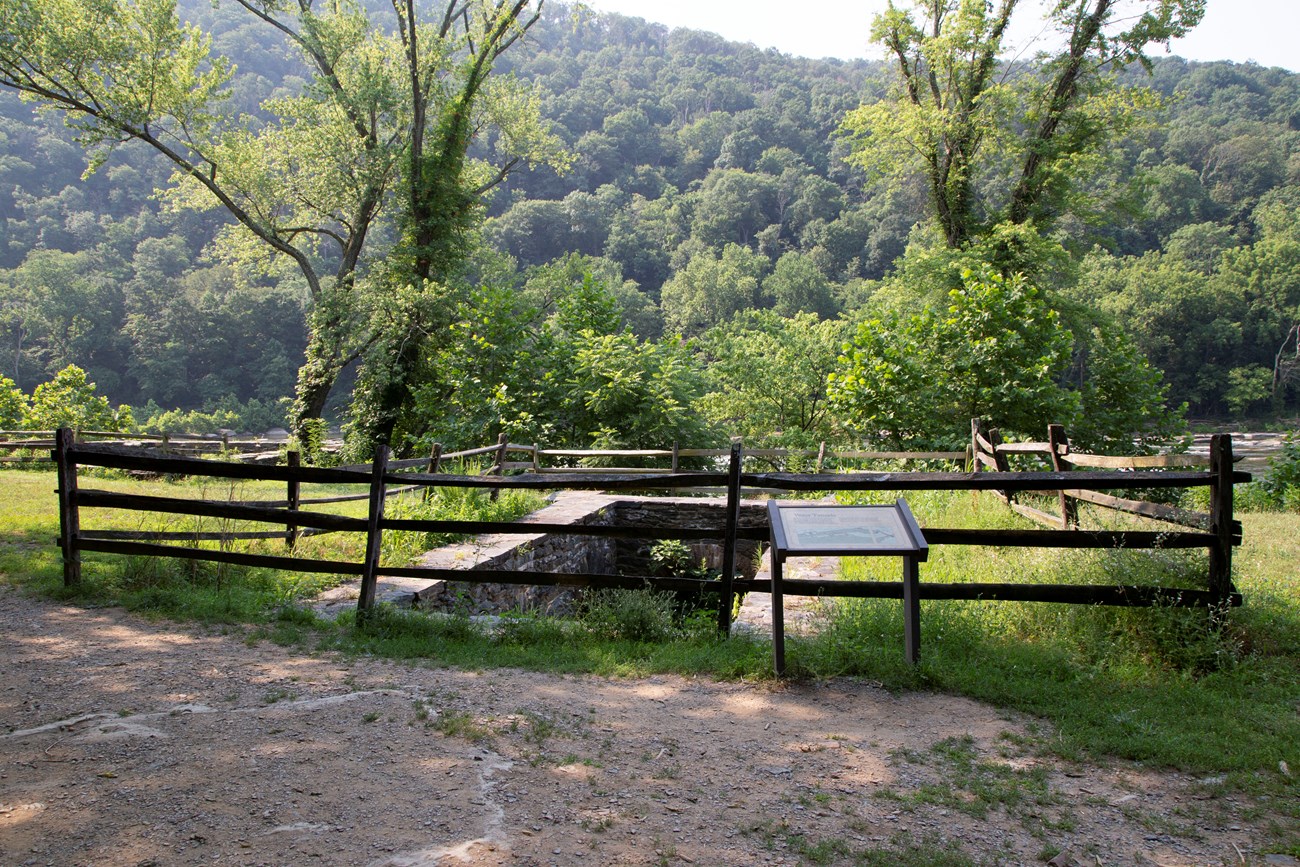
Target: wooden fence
x=34 y=446
x=1074 y=477
x=540 y=460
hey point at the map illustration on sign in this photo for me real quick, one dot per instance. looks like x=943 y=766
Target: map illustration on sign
x=858 y=527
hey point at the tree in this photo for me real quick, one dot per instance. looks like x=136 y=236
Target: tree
x=1188 y=324
x=554 y=363
x=67 y=309
x=767 y=377
x=1125 y=402
x=733 y=206
x=997 y=352
x=796 y=285
x=712 y=289
x=69 y=400
x=387 y=117
x=957 y=110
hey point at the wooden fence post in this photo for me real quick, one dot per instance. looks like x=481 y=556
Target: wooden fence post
x=374 y=535
x=69 y=519
x=1221 y=525
x=676 y=456
x=821 y=457
x=500 y=468
x=1000 y=460
x=294 y=496
x=727 y=598
x=435 y=464
x=1060 y=446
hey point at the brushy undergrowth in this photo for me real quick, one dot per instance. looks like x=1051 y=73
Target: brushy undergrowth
x=1156 y=685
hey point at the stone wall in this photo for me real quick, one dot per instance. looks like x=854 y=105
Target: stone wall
x=584 y=554
x=684 y=513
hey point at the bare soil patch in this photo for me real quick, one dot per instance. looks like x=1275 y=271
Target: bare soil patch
x=130 y=742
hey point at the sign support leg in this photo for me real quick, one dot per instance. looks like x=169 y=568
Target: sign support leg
x=778 y=616
x=911 y=610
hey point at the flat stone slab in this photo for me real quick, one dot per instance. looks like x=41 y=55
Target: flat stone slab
x=569 y=507
x=803 y=614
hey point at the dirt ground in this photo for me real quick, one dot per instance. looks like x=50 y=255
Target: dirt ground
x=129 y=742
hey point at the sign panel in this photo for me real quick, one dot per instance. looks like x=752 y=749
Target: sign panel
x=847 y=527
x=862 y=530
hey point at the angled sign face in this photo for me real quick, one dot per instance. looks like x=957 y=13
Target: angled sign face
x=799 y=529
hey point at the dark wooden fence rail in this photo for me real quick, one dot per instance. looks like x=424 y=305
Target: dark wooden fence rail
x=1218 y=535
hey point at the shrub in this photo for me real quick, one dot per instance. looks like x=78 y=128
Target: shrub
x=631 y=615
x=1282 y=483
x=69 y=400
x=225 y=414
x=13 y=405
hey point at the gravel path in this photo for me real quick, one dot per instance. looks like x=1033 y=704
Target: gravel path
x=129 y=742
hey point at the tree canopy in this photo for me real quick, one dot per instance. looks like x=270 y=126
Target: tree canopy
x=385 y=121
x=707 y=181
x=991 y=141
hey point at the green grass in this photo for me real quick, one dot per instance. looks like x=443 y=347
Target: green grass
x=903 y=850
x=1152 y=685
x=206 y=592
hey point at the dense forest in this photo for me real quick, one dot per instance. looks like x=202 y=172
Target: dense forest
x=697 y=262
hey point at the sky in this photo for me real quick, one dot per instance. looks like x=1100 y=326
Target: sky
x=1264 y=31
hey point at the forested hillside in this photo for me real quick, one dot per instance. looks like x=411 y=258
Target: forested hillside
x=708 y=179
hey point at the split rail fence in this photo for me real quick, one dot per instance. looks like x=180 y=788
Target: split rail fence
x=1073 y=478
x=33 y=446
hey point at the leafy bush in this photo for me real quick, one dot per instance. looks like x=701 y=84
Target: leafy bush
x=631 y=615
x=1282 y=483
x=1275 y=490
x=226 y=414
x=671 y=557
x=13 y=405
x=997 y=351
x=70 y=401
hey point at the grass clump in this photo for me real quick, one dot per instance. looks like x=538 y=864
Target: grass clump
x=631 y=633
x=630 y=615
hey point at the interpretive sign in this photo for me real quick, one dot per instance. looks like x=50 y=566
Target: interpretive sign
x=800 y=529
x=836 y=529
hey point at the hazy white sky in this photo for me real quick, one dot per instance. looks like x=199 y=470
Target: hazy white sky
x=1265 y=31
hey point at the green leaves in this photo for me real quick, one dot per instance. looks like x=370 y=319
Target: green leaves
x=70 y=401
x=997 y=352
x=964 y=120
x=13 y=405
x=767 y=377
x=122 y=68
